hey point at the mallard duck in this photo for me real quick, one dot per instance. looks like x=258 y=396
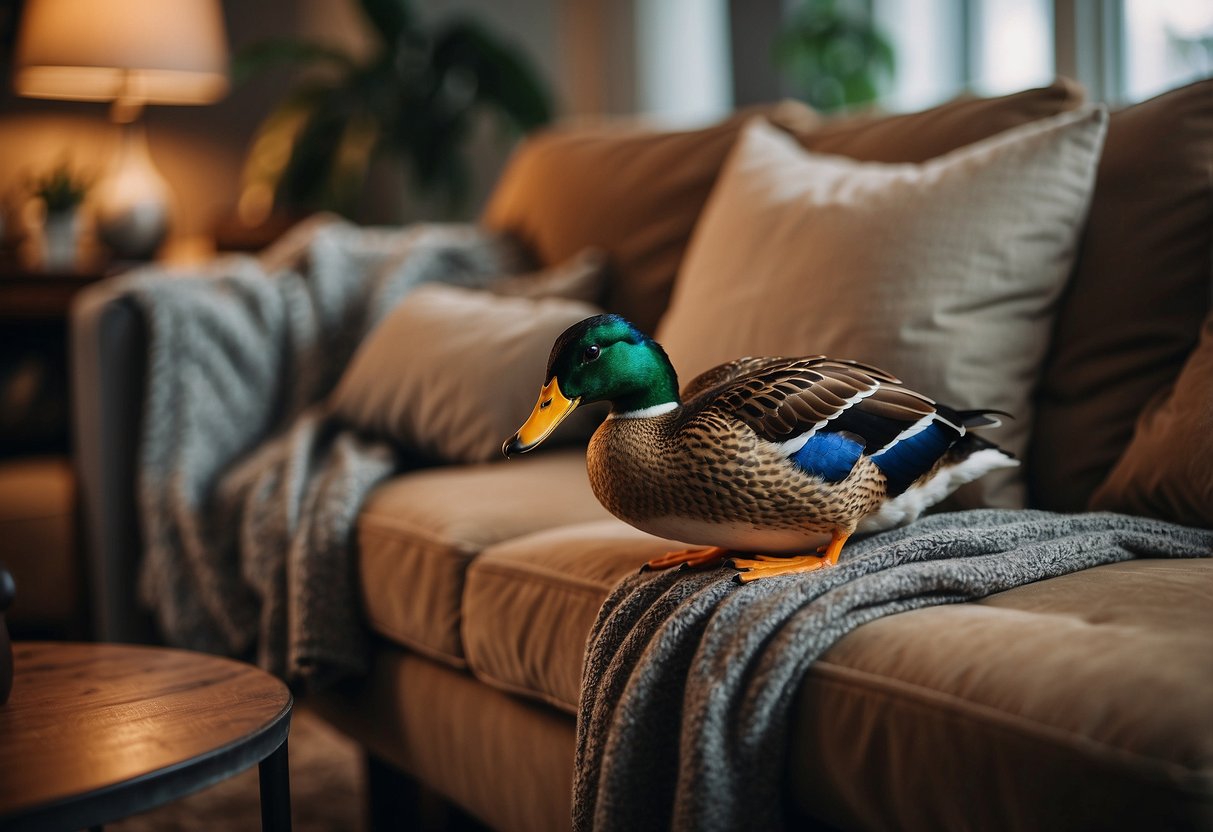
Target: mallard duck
x=765 y=457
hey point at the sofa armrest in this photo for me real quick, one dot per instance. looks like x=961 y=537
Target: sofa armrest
x=108 y=344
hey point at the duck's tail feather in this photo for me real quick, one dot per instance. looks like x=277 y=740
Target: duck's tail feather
x=969 y=444
x=986 y=418
x=969 y=458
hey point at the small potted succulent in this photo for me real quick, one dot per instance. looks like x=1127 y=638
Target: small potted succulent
x=61 y=190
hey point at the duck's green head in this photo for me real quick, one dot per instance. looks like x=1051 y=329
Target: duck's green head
x=603 y=358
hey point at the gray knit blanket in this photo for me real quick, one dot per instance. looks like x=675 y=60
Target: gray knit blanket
x=248 y=489
x=689 y=677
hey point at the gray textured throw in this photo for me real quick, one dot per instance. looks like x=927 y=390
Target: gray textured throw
x=248 y=491
x=689 y=677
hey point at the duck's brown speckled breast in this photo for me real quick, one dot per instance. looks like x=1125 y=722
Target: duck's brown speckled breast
x=701 y=469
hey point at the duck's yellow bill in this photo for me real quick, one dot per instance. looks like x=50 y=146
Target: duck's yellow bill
x=550 y=411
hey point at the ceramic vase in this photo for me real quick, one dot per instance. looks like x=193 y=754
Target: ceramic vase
x=60 y=240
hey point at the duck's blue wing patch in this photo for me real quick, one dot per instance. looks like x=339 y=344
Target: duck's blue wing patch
x=829 y=455
x=908 y=459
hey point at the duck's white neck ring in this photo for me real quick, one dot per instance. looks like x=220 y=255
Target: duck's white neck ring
x=645 y=412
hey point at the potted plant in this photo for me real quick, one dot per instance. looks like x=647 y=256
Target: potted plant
x=61 y=190
x=834 y=54
x=414 y=100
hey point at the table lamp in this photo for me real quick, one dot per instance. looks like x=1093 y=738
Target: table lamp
x=130 y=53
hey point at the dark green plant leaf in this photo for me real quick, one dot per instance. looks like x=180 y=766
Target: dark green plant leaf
x=503 y=76
x=307 y=176
x=416 y=100
x=259 y=57
x=392 y=19
x=62 y=187
x=834 y=54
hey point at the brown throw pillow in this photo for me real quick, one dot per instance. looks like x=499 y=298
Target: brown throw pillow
x=633 y=192
x=1140 y=290
x=1167 y=470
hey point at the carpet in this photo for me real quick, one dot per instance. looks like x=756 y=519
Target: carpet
x=326 y=790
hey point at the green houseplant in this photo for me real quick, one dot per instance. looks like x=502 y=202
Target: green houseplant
x=61 y=190
x=834 y=54
x=414 y=99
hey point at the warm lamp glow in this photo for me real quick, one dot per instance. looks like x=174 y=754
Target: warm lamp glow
x=141 y=51
x=130 y=52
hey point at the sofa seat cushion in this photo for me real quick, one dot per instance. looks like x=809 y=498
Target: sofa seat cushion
x=1107 y=670
x=1084 y=701
x=530 y=603
x=418 y=532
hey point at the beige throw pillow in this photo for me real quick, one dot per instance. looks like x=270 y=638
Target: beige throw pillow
x=451 y=373
x=944 y=273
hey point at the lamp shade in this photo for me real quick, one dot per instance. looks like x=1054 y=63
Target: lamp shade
x=142 y=51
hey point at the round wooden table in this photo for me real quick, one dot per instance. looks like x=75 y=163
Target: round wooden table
x=96 y=732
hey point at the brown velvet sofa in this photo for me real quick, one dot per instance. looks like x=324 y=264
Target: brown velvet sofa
x=1079 y=702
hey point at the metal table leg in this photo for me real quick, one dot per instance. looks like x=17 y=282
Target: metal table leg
x=275 y=792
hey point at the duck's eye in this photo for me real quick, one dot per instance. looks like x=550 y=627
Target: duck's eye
x=591 y=353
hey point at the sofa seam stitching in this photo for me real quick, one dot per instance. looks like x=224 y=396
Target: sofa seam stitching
x=540 y=575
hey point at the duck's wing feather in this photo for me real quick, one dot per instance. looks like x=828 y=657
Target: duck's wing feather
x=784 y=398
x=729 y=372
x=824 y=413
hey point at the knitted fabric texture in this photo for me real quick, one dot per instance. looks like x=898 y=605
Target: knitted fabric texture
x=248 y=487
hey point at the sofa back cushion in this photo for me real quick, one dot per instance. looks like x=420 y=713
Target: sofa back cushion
x=1140 y=290
x=1167 y=469
x=944 y=274
x=633 y=191
x=916 y=137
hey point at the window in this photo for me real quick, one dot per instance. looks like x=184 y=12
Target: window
x=1166 y=43
x=945 y=46
x=1012 y=45
x=1121 y=50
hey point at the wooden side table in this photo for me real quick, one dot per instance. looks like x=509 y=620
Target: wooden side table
x=96 y=732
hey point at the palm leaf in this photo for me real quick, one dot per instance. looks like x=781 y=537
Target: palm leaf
x=415 y=99
x=272 y=146
x=503 y=77
x=391 y=19
x=305 y=179
x=259 y=57
x=351 y=161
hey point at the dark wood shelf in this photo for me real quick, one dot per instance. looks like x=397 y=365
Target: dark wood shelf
x=31 y=295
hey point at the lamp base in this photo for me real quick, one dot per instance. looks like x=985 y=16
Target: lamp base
x=133 y=201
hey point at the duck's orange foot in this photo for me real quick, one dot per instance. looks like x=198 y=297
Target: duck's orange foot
x=688 y=559
x=763 y=566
